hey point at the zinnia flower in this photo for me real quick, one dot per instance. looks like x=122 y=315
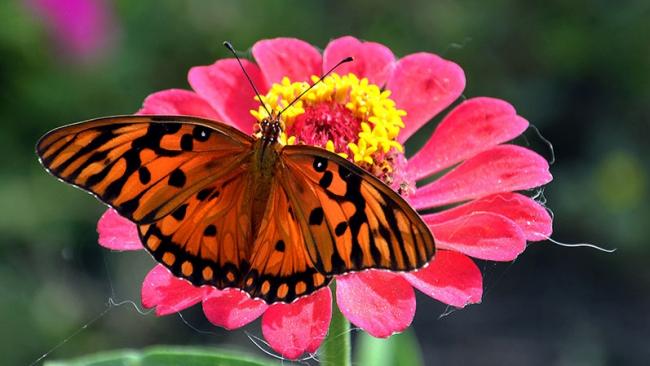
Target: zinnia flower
x=365 y=112
x=82 y=28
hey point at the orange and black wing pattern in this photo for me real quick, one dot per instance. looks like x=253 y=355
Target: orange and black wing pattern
x=206 y=239
x=281 y=269
x=183 y=180
x=350 y=220
x=143 y=166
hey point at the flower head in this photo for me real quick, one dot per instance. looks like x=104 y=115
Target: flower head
x=366 y=112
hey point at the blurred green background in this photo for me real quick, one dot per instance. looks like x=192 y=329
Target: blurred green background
x=578 y=70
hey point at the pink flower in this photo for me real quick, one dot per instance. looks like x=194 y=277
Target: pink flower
x=481 y=174
x=82 y=28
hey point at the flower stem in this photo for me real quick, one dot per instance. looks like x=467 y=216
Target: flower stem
x=337 y=349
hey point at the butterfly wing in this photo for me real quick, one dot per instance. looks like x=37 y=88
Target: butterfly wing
x=326 y=216
x=143 y=166
x=281 y=269
x=206 y=240
x=350 y=220
x=185 y=181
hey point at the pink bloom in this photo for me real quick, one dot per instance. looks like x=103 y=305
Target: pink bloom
x=489 y=220
x=82 y=28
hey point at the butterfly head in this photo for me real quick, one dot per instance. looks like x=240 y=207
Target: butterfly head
x=271 y=128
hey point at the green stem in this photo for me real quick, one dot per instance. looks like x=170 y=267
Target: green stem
x=337 y=348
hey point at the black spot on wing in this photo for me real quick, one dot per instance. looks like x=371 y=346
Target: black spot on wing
x=177 y=178
x=340 y=228
x=203 y=194
x=316 y=216
x=144 y=174
x=280 y=246
x=210 y=230
x=179 y=213
x=326 y=179
x=320 y=164
x=201 y=133
x=187 y=142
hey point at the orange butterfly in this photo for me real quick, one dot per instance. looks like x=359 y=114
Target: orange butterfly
x=221 y=208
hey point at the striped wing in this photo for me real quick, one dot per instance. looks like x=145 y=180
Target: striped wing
x=143 y=166
x=184 y=181
x=352 y=221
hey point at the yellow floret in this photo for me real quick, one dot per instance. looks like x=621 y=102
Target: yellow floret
x=380 y=120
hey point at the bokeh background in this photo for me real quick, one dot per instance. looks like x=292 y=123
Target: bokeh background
x=578 y=70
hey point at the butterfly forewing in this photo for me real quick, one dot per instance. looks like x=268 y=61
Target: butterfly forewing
x=351 y=220
x=143 y=166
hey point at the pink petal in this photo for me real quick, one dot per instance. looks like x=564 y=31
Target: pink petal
x=423 y=84
x=290 y=57
x=482 y=235
x=529 y=215
x=168 y=294
x=225 y=87
x=231 y=308
x=504 y=168
x=472 y=127
x=379 y=302
x=299 y=327
x=371 y=60
x=178 y=102
x=451 y=278
x=117 y=233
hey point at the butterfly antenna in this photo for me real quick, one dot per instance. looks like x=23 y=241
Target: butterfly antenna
x=232 y=49
x=347 y=59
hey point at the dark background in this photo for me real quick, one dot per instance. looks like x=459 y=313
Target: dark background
x=578 y=70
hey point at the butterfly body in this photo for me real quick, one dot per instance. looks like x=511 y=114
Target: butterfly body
x=264 y=161
x=221 y=208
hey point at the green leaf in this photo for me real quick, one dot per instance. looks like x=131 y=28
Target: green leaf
x=163 y=356
x=399 y=350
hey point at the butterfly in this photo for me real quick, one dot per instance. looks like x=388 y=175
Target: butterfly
x=222 y=208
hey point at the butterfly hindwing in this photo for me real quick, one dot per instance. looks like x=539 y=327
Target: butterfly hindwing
x=206 y=240
x=281 y=269
x=143 y=166
x=351 y=221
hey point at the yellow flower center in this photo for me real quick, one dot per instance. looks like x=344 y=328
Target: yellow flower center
x=333 y=107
